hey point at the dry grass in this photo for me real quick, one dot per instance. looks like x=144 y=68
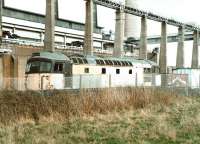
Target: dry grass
x=114 y=116
x=19 y=107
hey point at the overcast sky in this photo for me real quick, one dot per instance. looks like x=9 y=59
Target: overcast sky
x=183 y=10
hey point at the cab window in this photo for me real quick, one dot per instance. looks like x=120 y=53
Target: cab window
x=58 y=67
x=38 y=67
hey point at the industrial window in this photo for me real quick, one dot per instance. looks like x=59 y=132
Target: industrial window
x=58 y=67
x=117 y=71
x=103 y=70
x=130 y=71
x=86 y=70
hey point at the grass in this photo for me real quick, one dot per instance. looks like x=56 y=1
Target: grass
x=109 y=116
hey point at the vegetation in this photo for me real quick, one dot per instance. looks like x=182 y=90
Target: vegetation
x=110 y=116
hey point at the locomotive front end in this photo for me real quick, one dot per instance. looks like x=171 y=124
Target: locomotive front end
x=46 y=71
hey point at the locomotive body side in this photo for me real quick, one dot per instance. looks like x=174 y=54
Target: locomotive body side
x=47 y=70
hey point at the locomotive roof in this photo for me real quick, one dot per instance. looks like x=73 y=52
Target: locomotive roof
x=93 y=59
x=51 y=55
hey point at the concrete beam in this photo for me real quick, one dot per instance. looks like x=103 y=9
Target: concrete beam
x=119 y=33
x=88 y=41
x=143 y=38
x=195 y=52
x=49 y=26
x=180 y=60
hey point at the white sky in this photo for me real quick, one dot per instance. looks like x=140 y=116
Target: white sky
x=183 y=10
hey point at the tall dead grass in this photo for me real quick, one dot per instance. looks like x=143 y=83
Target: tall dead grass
x=16 y=106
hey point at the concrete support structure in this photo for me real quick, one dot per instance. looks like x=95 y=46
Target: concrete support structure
x=49 y=26
x=19 y=68
x=88 y=41
x=163 y=54
x=195 y=52
x=119 y=33
x=1 y=71
x=180 y=60
x=1 y=11
x=143 y=38
x=42 y=37
x=7 y=71
x=132 y=23
x=163 y=49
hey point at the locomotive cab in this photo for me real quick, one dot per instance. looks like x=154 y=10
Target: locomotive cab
x=47 y=70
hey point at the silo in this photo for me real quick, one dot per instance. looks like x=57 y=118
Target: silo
x=132 y=23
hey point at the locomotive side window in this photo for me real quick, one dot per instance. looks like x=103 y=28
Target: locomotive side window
x=58 y=67
x=126 y=63
x=101 y=62
x=130 y=64
x=115 y=62
x=107 y=62
x=74 y=60
x=80 y=61
x=110 y=62
x=98 y=61
x=85 y=61
x=103 y=70
x=130 y=71
x=117 y=71
x=86 y=70
x=118 y=63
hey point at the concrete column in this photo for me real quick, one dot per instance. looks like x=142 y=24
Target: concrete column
x=65 y=40
x=49 y=26
x=1 y=72
x=195 y=52
x=7 y=71
x=143 y=38
x=88 y=41
x=180 y=60
x=163 y=49
x=163 y=54
x=119 y=33
x=41 y=37
x=1 y=13
x=13 y=30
